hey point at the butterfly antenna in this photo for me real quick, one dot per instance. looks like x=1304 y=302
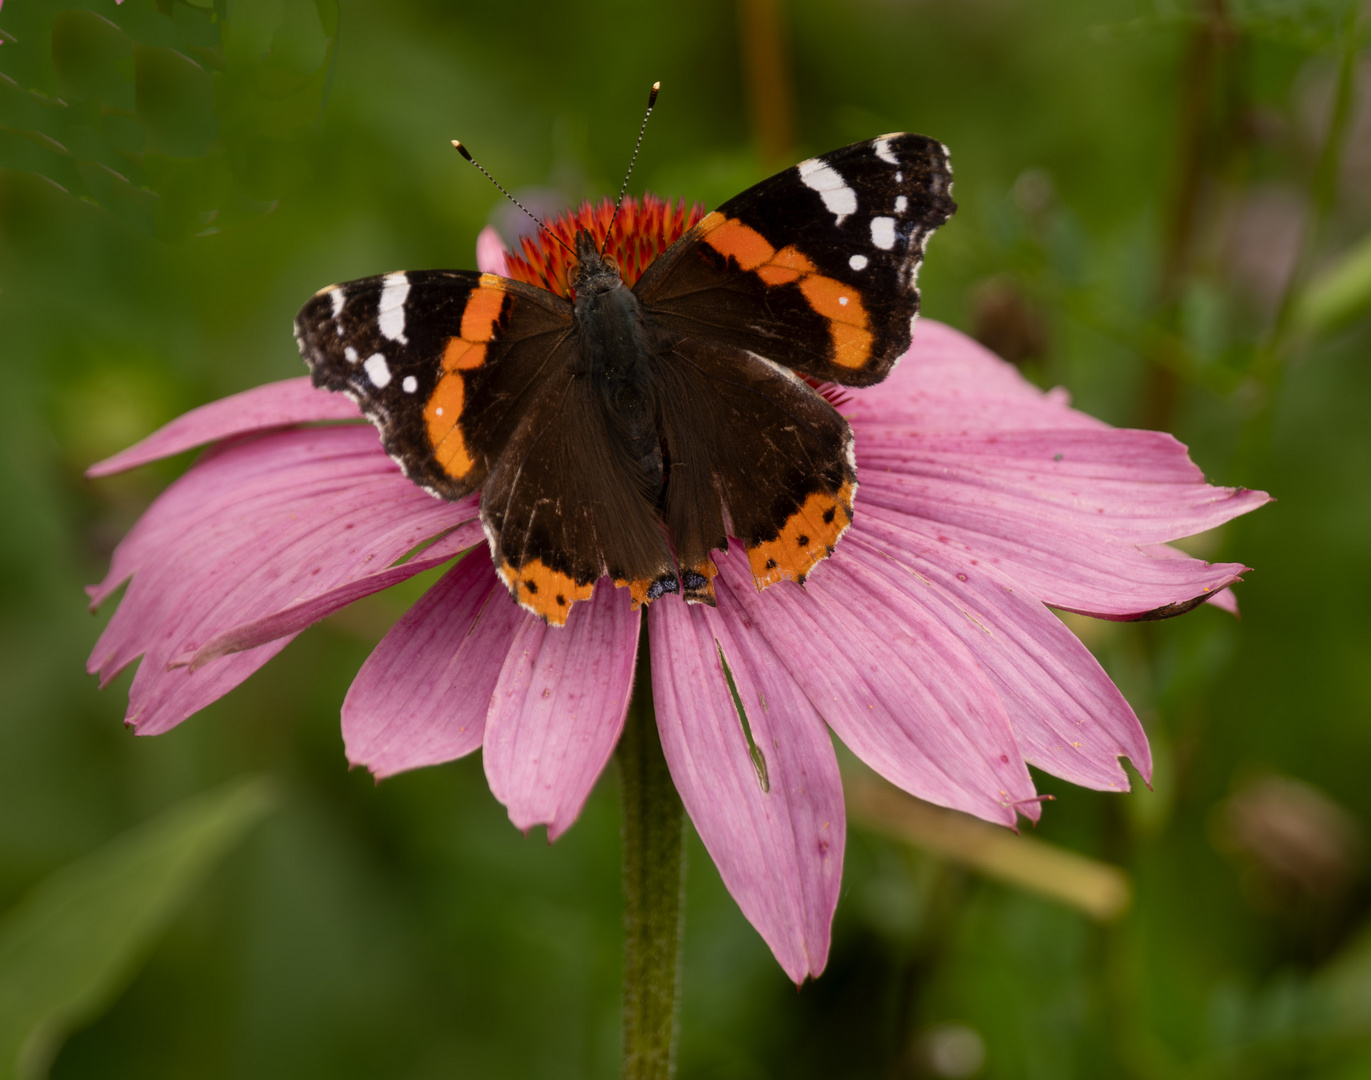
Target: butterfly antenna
x=457 y=144
x=651 y=101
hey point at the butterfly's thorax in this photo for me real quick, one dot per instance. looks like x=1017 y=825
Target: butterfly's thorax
x=616 y=351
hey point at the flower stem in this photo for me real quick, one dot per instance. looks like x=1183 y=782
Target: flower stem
x=654 y=874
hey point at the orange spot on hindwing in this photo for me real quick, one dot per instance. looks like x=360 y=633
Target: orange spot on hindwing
x=698 y=583
x=544 y=591
x=443 y=411
x=807 y=537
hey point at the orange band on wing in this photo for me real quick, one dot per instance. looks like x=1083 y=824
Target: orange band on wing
x=544 y=591
x=483 y=309
x=462 y=355
x=792 y=258
x=807 y=537
x=840 y=304
x=732 y=239
x=443 y=411
x=851 y=345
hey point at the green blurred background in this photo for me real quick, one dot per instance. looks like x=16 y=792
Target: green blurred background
x=1164 y=207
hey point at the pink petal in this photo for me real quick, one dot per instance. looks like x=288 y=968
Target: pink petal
x=895 y=685
x=958 y=446
x=778 y=843
x=256 y=527
x=1224 y=600
x=490 y=252
x=422 y=696
x=291 y=620
x=1090 y=575
x=1067 y=716
x=1136 y=486
x=558 y=708
x=278 y=404
x=949 y=383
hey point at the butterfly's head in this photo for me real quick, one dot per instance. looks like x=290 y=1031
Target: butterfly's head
x=594 y=273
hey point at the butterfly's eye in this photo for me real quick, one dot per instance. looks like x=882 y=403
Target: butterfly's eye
x=573 y=274
x=612 y=263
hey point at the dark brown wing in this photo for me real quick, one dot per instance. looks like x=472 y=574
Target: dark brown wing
x=752 y=452
x=816 y=267
x=561 y=508
x=443 y=362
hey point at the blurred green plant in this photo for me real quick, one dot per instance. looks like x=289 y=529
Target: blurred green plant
x=1338 y=294
x=180 y=119
x=1144 y=184
x=70 y=946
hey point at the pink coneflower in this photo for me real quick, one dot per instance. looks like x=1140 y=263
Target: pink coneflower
x=925 y=642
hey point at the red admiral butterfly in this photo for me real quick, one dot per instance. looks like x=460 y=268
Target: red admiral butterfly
x=629 y=432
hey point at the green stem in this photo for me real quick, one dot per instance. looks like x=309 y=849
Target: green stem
x=654 y=874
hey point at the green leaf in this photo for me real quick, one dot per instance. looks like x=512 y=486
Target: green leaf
x=1340 y=293
x=74 y=942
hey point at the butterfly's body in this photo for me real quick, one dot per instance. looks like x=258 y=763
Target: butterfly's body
x=630 y=430
x=616 y=350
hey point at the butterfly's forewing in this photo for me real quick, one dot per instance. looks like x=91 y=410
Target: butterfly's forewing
x=443 y=362
x=474 y=382
x=816 y=267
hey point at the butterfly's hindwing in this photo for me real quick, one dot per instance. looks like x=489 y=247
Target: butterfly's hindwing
x=815 y=268
x=562 y=510
x=753 y=452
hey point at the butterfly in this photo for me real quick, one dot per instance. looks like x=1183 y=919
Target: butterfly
x=630 y=432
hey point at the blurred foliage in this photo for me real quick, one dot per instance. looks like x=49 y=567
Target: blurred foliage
x=177 y=119
x=1165 y=207
x=69 y=947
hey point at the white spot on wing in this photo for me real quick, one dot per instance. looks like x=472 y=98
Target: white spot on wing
x=378 y=371
x=350 y=353
x=857 y=262
x=391 y=308
x=338 y=299
x=882 y=148
x=842 y=301
x=901 y=204
x=899 y=178
x=439 y=410
x=883 y=232
x=410 y=384
x=819 y=176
